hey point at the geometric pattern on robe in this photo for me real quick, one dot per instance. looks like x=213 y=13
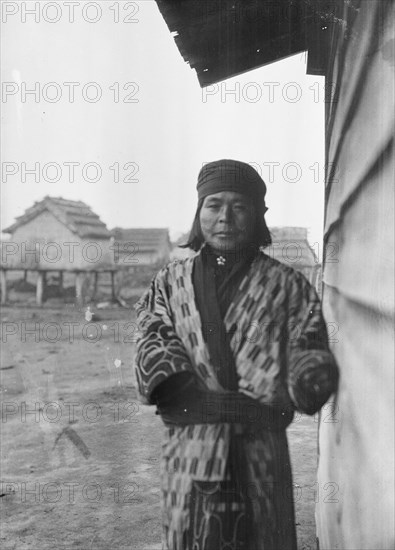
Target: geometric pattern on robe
x=278 y=332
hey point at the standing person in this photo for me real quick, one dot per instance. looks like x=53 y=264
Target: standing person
x=232 y=342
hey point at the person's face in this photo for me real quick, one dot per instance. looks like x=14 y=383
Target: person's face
x=227 y=220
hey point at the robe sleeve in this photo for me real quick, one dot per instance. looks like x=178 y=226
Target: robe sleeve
x=312 y=369
x=162 y=366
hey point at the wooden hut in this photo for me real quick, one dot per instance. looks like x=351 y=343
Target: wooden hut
x=141 y=246
x=351 y=42
x=357 y=441
x=60 y=236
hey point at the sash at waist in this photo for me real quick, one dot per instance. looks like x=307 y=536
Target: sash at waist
x=231 y=407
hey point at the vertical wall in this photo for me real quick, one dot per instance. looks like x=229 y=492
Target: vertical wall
x=356 y=510
x=68 y=251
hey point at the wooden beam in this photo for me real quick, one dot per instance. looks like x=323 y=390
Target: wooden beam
x=95 y=284
x=40 y=288
x=3 y=283
x=79 y=287
x=223 y=38
x=113 y=286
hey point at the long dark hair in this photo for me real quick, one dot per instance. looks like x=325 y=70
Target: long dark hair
x=261 y=236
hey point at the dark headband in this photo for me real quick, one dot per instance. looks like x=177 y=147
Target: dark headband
x=230 y=175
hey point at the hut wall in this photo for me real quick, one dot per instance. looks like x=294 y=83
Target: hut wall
x=96 y=253
x=55 y=246
x=355 y=507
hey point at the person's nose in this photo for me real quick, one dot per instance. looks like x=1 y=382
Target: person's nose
x=225 y=215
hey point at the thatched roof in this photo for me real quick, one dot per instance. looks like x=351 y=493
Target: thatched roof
x=223 y=38
x=75 y=215
x=147 y=239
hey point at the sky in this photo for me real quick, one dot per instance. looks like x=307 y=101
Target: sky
x=139 y=127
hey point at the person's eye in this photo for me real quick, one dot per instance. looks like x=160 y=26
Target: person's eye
x=241 y=207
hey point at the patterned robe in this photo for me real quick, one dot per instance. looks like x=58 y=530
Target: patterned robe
x=279 y=343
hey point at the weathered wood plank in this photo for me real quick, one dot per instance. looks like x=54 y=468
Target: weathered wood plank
x=3 y=286
x=364 y=116
x=356 y=441
x=40 y=288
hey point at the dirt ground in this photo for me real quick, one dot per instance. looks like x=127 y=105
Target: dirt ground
x=80 y=455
